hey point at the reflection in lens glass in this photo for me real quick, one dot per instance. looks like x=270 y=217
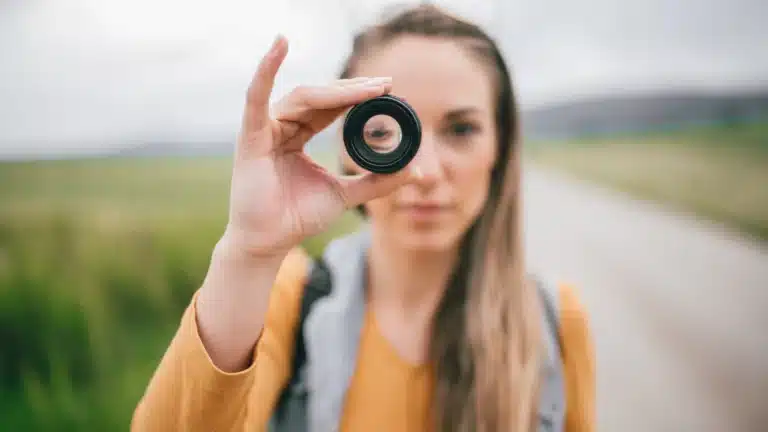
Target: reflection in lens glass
x=382 y=133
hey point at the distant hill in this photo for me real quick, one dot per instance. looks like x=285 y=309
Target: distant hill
x=178 y=148
x=629 y=114
x=587 y=117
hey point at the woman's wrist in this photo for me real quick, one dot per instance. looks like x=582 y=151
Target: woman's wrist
x=237 y=277
x=241 y=273
x=235 y=247
x=240 y=244
x=232 y=302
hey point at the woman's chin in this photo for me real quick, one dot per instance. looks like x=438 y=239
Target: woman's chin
x=428 y=240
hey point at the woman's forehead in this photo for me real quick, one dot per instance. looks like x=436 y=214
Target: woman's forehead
x=431 y=73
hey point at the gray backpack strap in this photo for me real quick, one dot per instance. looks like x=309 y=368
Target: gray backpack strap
x=290 y=413
x=552 y=397
x=333 y=331
x=314 y=399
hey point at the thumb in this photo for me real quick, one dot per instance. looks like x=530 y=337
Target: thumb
x=360 y=189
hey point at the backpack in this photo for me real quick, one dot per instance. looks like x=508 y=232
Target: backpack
x=290 y=411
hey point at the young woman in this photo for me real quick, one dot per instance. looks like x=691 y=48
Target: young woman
x=450 y=336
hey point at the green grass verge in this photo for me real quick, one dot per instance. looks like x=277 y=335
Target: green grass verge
x=719 y=173
x=98 y=259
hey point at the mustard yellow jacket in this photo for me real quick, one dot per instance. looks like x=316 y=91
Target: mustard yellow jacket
x=189 y=393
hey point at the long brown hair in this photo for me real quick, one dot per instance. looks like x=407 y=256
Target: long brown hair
x=485 y=334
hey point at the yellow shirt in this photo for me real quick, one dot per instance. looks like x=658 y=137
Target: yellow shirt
x=189 y=393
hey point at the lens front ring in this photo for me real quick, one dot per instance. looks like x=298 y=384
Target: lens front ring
x=367 y=158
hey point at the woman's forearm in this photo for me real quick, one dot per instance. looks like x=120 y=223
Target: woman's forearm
x=232 y=304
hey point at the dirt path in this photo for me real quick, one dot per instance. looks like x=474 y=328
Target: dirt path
x=679 y=307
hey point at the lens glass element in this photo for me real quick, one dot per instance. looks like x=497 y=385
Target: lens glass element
x=382 y=133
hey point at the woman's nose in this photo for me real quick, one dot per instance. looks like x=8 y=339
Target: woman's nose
x=427 y=161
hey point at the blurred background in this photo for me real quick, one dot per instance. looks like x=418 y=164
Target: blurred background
x=646 y=133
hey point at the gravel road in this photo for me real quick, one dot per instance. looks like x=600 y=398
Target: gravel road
x=679 y=306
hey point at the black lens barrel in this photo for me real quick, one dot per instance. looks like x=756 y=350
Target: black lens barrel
x=366 y=157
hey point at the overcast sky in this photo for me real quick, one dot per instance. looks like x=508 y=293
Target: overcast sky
x=92 y=75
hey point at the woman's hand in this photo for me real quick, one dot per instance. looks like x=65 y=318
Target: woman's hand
x=279 y=196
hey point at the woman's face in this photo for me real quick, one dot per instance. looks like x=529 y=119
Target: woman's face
x=453 y=94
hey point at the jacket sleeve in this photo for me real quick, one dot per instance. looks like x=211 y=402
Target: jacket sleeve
x=189 y=393
x=579 y=363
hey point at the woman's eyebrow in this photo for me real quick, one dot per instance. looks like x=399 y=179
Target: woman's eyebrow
x=461 y=112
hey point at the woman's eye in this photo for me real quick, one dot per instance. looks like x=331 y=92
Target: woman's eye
x=378 y=133
x=381 y=139
x=462 y=129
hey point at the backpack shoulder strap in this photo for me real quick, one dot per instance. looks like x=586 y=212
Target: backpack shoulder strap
x=317 y=286
x=551 y=310
x=552 y=397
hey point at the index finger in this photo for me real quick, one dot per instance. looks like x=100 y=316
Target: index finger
x=313 y=103
x=256 y=114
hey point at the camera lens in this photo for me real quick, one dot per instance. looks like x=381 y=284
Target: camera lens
x=382 y=135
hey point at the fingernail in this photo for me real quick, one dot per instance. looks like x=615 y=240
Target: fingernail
x=275 y=43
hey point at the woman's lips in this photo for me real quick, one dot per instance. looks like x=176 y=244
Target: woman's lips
x=424 y=211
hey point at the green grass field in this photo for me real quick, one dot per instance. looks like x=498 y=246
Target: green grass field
x=720 y=173
x=98 y=258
